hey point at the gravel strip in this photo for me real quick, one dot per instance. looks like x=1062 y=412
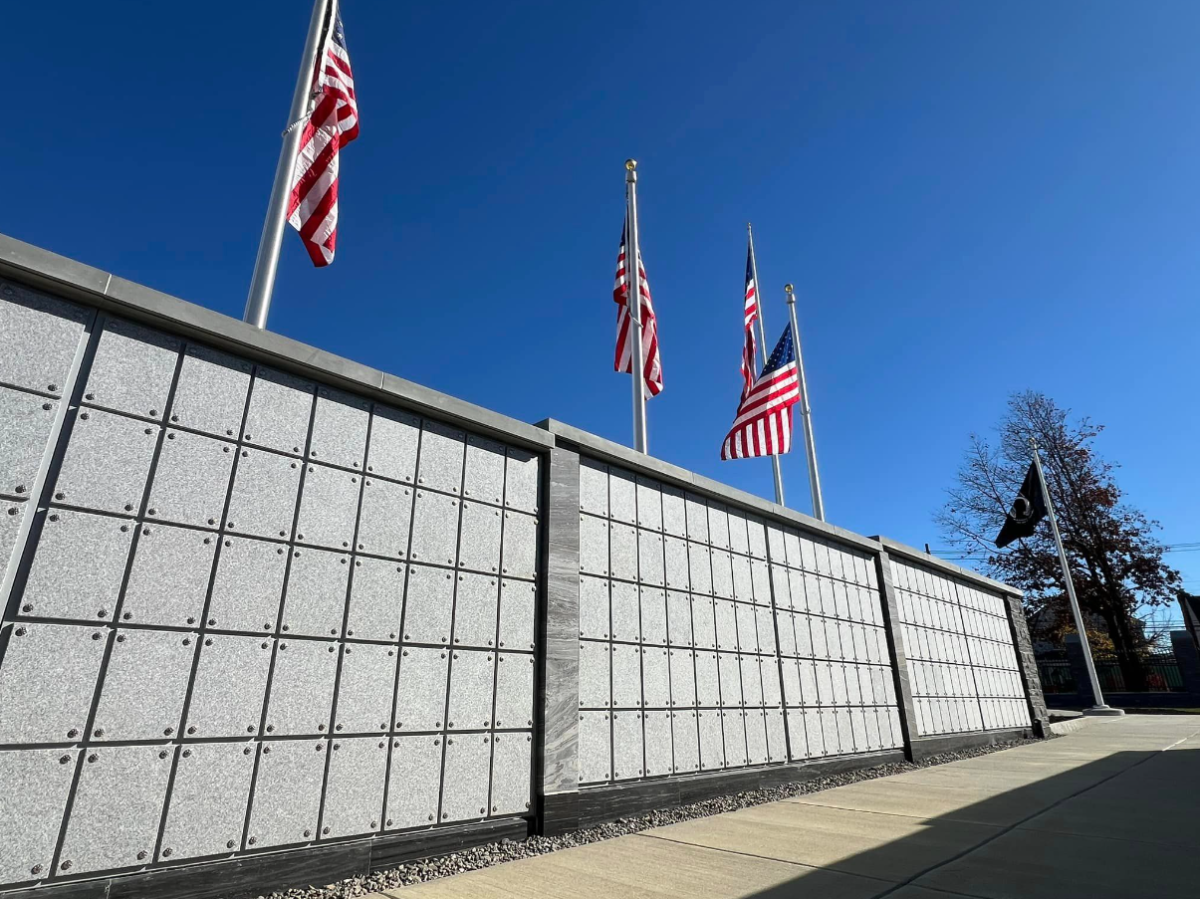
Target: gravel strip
x=509 y=850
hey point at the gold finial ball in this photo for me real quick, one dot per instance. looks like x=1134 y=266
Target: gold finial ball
x=788 y=288
x=630 y=164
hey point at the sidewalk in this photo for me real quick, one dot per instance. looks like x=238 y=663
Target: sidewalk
x=1102 y=812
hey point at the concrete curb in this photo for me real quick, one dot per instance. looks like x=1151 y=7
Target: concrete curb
x=1069 y=726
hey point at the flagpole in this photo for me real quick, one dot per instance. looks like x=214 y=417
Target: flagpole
x=762 y=353
x=810 y=446
x=1100 y=708
x=633 y=266
x=262 y=283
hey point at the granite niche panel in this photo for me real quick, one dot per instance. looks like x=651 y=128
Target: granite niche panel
x=962 y=662
x=255 y=611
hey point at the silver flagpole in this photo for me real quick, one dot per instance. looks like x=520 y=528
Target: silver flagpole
x=633 y=269
x=810 y=446
x=762 y=354
x=262 y=284
x=1100 y=708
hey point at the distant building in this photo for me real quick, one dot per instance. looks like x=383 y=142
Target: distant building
x=1189 y=604
x=1047 y=628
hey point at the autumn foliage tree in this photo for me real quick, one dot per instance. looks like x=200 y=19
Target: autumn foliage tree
x=1116 y=560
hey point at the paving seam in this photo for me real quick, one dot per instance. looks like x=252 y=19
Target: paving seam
x=938 y=890
x=949 y=816
x=769 y=858
x=1099 y=836
x=1008 y=829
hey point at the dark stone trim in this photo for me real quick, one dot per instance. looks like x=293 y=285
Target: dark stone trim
x=389 y=852
x=558 y=700
x=247 y=875
x=924 y=747
x=1032 y=681
x=597 y=805
x=558 y=814
x=892 y=625
x=254 y=875
x=85 y=889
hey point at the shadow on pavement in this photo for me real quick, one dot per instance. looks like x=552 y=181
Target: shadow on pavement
x=1123 y=826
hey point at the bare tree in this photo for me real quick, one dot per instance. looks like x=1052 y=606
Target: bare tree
x=1116 y=561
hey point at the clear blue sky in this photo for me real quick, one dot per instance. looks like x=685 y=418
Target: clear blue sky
x=971 y=198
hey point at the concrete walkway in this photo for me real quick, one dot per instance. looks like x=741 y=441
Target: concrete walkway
x=1112 y=810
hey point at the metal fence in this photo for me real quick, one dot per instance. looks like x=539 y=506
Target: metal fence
x=1162 y=674
x=1056 y=674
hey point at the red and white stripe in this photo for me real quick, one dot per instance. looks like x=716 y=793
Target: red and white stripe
x=749 y=347
x=763 y=426
x=651 y=358
x=313 y=206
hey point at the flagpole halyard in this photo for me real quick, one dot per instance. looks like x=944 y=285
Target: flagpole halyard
x=633 y=267
x=762 y=353
x=262 y=283
x=1101 y=707
x=810 y=445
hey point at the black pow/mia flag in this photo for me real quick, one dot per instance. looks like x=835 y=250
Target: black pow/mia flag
x=1027 y=510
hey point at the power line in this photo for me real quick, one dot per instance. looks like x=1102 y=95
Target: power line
x=956 y=555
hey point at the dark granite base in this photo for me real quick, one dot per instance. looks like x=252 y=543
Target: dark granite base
x=558 y=814
x=254 y=875
x=595 y=805
x=924 y=747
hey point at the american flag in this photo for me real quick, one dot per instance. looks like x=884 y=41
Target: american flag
x=763 y=426
x=313 y=207
x=748 y=346
x=651 y=359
